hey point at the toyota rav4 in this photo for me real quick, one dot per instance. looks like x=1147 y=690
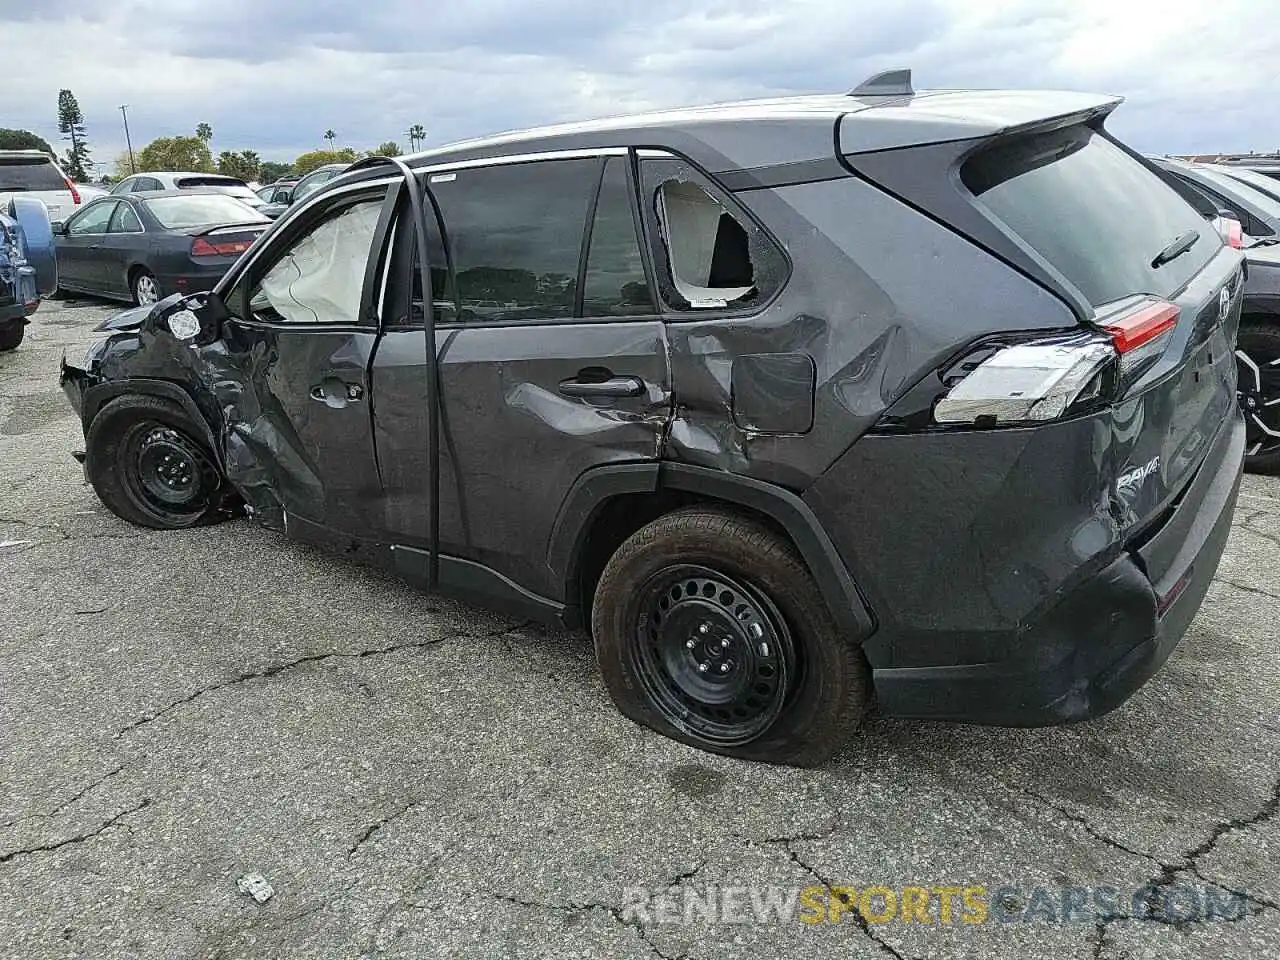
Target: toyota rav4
x=926 y=395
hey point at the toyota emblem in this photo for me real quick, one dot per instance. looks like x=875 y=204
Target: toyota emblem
x=1224 y=305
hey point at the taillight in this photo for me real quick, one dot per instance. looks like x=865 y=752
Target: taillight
x=1028 y=382
x=1234 y=234
x=201 y=247
x=1044 y=379
x=1139 y=334
x=75 y=194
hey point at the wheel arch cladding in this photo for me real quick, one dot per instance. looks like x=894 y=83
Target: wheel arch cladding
x=664 y=486
x=99 y=395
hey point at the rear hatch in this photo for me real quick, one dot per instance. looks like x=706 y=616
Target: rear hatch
x=37 y=176
x=1122 y=240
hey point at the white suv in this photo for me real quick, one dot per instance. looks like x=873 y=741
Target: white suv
x=34 y=173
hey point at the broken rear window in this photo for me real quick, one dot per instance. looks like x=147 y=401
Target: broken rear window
x=711 y=256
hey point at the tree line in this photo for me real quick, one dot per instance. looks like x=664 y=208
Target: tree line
x=188 y=152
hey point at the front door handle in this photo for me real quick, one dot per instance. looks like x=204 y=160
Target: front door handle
x=337 y=393
x=613 y=387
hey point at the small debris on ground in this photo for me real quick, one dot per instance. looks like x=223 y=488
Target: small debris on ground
x=256 y=886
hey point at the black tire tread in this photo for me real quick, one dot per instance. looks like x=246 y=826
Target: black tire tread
x=11 y=335
x=101 y=448
x=753 y=550
x=1269 y=330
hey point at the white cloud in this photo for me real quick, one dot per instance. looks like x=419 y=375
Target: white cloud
x=1198 y=76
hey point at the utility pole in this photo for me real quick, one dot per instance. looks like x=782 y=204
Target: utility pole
x=125 y=113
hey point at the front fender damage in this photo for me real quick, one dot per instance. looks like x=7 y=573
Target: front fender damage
x=256 y=444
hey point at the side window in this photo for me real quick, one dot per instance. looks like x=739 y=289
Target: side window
x=402 y=306
x=125 y=220
x=319 y=276
x=615 y=285
x=94 y=220
x=124 y=186
x=708 y=257
x=515 y=233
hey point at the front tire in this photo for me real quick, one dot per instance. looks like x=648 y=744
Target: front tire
x=1258 y=385
x=11 y=335
x=147 y=466
x=709 y=629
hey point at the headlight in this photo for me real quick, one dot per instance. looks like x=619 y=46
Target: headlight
x=96 y=350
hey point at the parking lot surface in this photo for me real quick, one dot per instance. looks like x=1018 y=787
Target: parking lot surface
x=416 y=777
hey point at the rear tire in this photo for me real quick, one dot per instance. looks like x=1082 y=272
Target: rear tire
x=11 y=335
x=709 y=629
x=147 y=466
x=144 y=286
x=1258 y=365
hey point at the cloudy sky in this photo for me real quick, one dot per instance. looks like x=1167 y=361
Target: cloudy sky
x=273 y=75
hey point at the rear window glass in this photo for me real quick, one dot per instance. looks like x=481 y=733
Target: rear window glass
x=29 y=174
x=198 y=210
x=1095 y=213
x=185 y=183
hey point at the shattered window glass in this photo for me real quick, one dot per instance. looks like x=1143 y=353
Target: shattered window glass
x=709 y=256
x=319 y=279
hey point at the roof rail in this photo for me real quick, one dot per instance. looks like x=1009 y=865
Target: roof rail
x=890 y=83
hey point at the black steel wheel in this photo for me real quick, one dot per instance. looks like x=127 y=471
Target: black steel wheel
x=709 y=628
x=715 y=655
x=1258 y=390
x=147 y=467
x=169 y=475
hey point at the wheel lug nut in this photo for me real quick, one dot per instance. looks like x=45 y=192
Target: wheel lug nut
x=724 y=643
x=702 y=668
x=690 y=643
x=704 y=628
x=724 y=668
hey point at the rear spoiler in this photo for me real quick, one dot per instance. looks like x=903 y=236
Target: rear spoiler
x=217 y=228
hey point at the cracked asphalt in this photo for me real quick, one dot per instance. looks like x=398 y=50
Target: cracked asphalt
x=418 y=778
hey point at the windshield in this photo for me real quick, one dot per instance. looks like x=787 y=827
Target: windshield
x=1245 y=192
x=29 y=173
x=197 y=210
x=1098 y=215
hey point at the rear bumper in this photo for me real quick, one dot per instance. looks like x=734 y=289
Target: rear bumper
x=194 y=280
x=1106 y=638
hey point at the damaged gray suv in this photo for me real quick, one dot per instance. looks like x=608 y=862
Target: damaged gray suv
x=922 y=395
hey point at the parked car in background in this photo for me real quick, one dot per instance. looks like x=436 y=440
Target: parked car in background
x=28 y=266
x=33 y=173
x=1259 y=181
x=144 y=246
x=275 y=197
x=1264 y=167
x=314 y=180
x=206 y=182
x=1258 y=356
x=998 y=495
x=1258 y=213
x=89 y=191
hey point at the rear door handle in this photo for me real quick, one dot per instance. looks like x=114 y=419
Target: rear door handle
x=613 y=387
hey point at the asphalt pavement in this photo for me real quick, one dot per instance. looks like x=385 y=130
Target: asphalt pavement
x=415 y=777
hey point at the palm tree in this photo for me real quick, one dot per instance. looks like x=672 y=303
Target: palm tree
x=330 y=136
x=204 y=132
x=417 y=134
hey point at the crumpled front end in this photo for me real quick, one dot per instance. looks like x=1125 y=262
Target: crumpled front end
x=245 y=429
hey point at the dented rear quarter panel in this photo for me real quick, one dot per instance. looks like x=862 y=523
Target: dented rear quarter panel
x=874 y=316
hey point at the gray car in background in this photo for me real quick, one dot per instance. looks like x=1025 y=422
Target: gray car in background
x=926 y=397
x=1258 y=212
